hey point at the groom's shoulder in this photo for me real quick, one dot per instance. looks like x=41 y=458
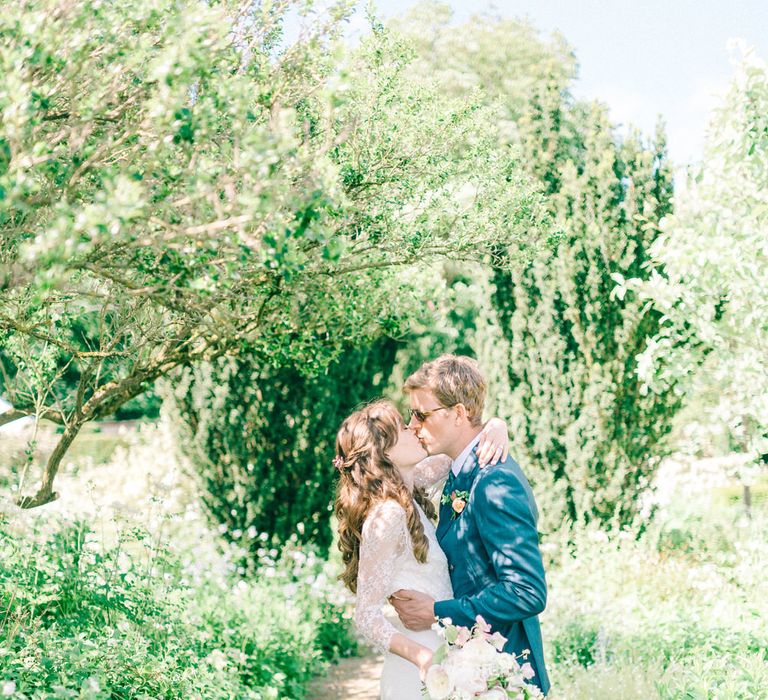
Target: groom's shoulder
x=504 y=482
x=506 y=472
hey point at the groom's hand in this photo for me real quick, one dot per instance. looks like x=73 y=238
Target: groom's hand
x=416 y=610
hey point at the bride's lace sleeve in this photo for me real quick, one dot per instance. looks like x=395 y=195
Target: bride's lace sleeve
x=430 y=471
x=384 y=539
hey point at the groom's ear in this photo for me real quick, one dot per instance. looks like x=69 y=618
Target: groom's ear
x=461 y=412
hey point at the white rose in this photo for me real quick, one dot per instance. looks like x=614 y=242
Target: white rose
x=507 y=663
x=466 y=678
x=479 y=651
x=438 y=682
x=9 y=688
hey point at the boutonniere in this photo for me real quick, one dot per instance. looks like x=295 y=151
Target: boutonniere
x=458 y=501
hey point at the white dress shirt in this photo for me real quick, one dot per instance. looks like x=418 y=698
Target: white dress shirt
x=458 y=463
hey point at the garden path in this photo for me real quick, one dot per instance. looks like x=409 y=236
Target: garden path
x=351 y=679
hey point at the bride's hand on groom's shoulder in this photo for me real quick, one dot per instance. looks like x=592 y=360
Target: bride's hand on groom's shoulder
x=494 y=443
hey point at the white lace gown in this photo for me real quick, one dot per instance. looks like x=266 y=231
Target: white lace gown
x=387 y=564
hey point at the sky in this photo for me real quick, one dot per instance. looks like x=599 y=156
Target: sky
x=643 y=58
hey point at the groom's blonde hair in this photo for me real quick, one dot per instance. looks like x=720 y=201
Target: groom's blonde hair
x=453 y=379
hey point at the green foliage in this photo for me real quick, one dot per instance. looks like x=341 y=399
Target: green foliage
x=623 y=680
x=145 y=406
x=447 y=323
x=576 y=643
x=178 y=185
x=708 y=273
x=262 y=441
x=82 y=617
x=589 y=432
x=745 y=676
x=563 y=366
x=675 y=611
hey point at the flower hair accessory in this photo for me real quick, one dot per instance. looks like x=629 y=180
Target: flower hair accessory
x=338 y=462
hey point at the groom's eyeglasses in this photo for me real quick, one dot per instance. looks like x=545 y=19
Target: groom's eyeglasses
x=421 y=416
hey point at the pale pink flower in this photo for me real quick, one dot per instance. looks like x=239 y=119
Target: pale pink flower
x=464 y=636
x=498 y=640
x=527 y=670
x=482 y=625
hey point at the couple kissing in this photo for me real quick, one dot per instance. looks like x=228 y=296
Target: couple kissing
x=481 y=558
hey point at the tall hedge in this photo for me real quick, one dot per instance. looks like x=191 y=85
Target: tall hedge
x=262 y=440
x=582 y=419
x=559 y=346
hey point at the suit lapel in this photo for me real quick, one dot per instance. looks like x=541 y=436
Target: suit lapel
x=444 y=514
x=461 y=482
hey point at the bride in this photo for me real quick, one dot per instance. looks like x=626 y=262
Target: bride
x=386 y=533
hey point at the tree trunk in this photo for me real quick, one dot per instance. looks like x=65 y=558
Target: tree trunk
x=45 y=493
x=748 y=500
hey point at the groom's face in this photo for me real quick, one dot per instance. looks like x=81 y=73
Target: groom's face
x=433 y=426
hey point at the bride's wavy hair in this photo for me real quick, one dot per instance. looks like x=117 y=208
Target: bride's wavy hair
x=368 y=477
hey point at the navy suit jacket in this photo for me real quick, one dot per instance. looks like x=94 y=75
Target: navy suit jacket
x=494 y=559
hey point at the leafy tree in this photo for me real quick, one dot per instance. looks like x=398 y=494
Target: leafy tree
x=559 y=346
x=178 y=183
x=708 y=270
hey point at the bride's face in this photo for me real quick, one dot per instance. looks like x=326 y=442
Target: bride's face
x=408 y=450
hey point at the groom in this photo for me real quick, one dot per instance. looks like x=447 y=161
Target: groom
x=487 y=529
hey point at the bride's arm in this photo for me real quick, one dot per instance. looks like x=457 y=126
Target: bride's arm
x=492 y=448
x=431 y=470
x=384 y=539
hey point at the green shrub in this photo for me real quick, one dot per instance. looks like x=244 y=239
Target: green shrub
x=335 y=636
x=624 y=681
x=586 y=428
x=558 y=345
x=674 y=612
x=82 y=617
x=262 y=440
x=576 y=643
x=727 y=677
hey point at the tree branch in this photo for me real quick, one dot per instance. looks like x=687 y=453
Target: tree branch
x=15 y=414
x=12 y=415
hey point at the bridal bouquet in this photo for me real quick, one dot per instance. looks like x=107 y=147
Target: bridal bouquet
x=472 y=666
